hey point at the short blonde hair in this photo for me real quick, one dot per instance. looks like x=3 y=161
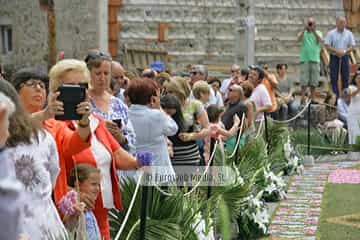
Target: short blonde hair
x=200 y=87
x=65 y=66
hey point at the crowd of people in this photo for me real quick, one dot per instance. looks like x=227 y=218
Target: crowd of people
x=55 y=173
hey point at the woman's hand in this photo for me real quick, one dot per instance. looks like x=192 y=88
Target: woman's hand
x=186 y=137
x=84 y=109
x=236 y=120
x=170 y=148
x=115 y=131
x=54 y=107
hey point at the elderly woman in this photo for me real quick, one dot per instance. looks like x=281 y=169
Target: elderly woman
x=105 y=153
x=110 y=108
x=196 y=123
x=201 y=92
x=152 y=125
x=34 y=156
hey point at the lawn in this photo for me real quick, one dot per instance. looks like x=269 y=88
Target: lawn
x=340 y=200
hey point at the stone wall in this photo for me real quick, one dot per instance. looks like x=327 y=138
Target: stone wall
x=29 y=32
x=80 y=26
x=77 y=26
x=200 y=31
x=210 y=31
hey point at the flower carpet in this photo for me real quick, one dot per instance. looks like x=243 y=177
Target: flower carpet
x=297 y=217
x=345 y=176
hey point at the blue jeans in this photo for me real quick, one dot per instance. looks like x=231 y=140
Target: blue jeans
x=281 y=114
x=334 y=72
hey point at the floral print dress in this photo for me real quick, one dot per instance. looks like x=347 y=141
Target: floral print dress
x=37 y=167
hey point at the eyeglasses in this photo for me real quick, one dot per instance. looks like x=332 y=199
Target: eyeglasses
x=95 y=55
x=193 y=73
x=34 y=83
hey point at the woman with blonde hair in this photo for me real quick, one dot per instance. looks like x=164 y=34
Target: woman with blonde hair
x=196 y=123
x=201 y=91
x=104 y=152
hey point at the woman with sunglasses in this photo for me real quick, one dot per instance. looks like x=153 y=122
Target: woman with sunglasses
x=110 y=108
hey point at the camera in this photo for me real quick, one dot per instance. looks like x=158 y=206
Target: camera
x=310 y=24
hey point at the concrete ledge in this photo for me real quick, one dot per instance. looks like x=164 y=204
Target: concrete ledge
x=350 y=156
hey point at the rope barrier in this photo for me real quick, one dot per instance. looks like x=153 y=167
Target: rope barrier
x=130 y=207
x=326 y=104
x=198 y=183
x=259 y=129
x=345 y=148
x=239 y=138
x=296 y=116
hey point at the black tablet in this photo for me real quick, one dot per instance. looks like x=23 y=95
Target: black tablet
x=71 y=95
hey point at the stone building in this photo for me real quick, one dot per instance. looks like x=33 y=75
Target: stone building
x=212 y=32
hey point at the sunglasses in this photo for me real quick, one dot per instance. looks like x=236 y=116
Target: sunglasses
x=97 y=55
x=194 y=73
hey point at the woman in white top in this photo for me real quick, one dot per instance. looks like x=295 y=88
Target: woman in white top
x=33 y=154
x=353 y=119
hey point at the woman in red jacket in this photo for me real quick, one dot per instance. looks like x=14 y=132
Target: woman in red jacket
x=104 y=151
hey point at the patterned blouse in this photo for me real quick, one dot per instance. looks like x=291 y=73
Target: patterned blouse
x=37 y=167
x=119 y=110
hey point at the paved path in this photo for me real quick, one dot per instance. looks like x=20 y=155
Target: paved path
x=297 y=217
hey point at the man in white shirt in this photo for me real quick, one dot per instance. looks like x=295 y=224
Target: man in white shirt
x=343 y=105
x=237 y=77
x=339 y=42
x=260 y=96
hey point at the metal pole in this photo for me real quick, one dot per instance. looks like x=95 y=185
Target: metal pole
x=212 y=145
x=308 y=130
x=266 y=131
x=144 y=197
x=250 y=33
x=238 y=146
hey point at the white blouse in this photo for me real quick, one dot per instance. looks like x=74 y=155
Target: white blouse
x=103 y=159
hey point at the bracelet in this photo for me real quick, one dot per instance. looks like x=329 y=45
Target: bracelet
x=84 y=125
x=191 y=136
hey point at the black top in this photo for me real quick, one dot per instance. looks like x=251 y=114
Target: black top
x=238 y=108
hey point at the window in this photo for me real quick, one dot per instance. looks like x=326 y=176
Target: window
x=6 y=39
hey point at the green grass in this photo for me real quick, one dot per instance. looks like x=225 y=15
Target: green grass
x=339 y=200
x=356 y=167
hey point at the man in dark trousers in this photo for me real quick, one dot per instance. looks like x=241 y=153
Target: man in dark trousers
x=339 y=42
